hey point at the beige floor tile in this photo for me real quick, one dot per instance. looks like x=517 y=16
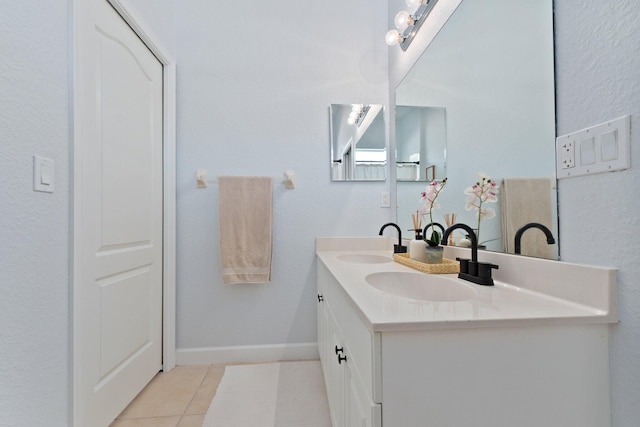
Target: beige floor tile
x=191 y=421
x=149 y=422
x=169 y=393
x=204 y=395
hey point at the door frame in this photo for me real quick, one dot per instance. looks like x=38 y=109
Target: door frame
x=169 y=195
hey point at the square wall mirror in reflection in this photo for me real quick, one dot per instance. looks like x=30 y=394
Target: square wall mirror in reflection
x=358 y=142
x=421 y=143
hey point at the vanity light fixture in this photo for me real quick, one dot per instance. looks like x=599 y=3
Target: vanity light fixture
x=358 y=112
x=408 y=23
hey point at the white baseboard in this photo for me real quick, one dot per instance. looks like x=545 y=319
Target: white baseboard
x=249 y=353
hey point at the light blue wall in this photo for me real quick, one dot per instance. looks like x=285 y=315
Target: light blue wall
x=34 y=227
x=255 y=81
x=598 y=79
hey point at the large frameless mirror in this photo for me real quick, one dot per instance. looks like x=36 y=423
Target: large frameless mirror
x=490 y=71
x=358 y=142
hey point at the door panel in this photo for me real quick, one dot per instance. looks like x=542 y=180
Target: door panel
x=119 y=215
x=125 y=316
x=122 y=76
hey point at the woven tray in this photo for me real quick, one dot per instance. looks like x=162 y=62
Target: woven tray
x=447 y=267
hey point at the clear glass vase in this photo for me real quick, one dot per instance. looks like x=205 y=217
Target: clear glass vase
x=434 y=254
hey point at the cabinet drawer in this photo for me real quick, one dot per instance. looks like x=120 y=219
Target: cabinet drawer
x=358 y=340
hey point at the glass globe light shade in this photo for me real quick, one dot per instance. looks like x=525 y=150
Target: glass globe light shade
x=403 y=20
x=393 y=37
x=413 y=4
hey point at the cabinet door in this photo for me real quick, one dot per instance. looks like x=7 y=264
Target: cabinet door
x=334 y=378
x=354 y=412
x=359 y=410
x=323 y=334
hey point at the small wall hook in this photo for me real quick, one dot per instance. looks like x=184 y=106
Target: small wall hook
x=201 y=178
x=290 y=180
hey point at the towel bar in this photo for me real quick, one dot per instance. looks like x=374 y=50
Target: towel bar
x=202 y=181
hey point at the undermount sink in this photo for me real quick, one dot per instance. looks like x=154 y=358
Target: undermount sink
x=421 y=286
x=365 y=258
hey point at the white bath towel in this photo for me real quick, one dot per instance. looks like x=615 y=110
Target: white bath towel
x=245 y=222
x=525 y=200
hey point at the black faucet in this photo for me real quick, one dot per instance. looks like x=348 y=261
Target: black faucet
x=397 y=249
x=470 y=269
x=435 y=224
x=520 y=232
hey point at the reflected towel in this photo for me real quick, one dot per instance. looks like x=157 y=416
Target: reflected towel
x=245 y=222
x=525 y=200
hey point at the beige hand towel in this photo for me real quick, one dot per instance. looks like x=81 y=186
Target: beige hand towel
x=525 y=200
x=245 y=221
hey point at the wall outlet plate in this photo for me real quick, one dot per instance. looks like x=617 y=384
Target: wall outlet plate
x=601 y=148
x=567 y=154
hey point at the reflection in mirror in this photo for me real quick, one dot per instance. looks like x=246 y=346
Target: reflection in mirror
x=358 y=142
x=421 y=143
x=491 y=68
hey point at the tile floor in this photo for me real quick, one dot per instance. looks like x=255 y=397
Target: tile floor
x=179 y=398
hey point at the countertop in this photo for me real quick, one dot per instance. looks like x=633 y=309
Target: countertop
x=505 y=304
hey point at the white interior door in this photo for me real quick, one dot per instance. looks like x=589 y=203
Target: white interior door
x=118 y=215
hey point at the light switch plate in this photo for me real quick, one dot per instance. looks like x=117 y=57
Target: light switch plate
x=587 y=151
x=385 y=199
x=601 y=148
x=43 y=174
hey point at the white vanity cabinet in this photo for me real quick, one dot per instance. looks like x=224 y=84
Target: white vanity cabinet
x=345 y=347
x=508 y=357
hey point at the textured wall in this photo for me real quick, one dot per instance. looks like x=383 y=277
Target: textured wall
x=598 y=79
x=34 y=227
x=254 y=84
x=35 y=338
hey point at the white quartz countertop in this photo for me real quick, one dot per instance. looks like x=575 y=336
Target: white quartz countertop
x=505 y=304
